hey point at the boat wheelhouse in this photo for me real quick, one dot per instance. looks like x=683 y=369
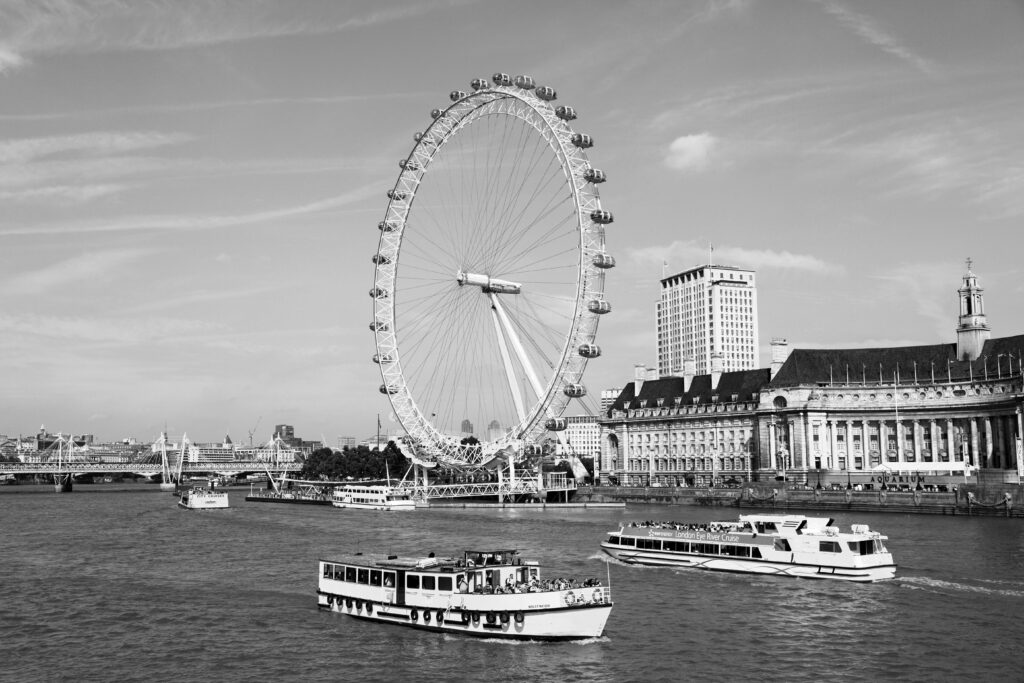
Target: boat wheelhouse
x=782 y=545
x=489 y=594
x=372 y=498
x=200 y=498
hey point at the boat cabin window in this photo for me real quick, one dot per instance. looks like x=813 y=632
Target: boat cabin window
x=350 y=574
x=364 y=575
x=428 y=583
x=782 y=544
x=676 y=546
x=614 y=540
x=412 y=581
x=389 y=579
x=829 y=547
x=375 y=577
x=648 y=543
x=867 y=547
x=444 y=583
x=627 y=540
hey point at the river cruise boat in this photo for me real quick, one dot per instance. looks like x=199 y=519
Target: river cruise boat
x=781 y=545
x=491 y=594
x=372 y=498
x=200 y=498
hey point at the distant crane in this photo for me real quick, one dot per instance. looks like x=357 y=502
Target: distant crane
x=253 y=430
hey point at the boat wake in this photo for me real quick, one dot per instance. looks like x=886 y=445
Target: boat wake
x=940 y=586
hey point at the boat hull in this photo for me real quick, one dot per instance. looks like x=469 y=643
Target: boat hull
x=744 y=566
x=384 y=507
x=569 y=623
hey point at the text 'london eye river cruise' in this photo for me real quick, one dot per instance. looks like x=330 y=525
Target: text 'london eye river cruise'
x=783 y=545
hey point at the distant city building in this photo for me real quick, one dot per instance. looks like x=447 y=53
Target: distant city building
x=583 y=436
x=346 y=442
x=932 y=416
x=608 y=397
x=467 y=428
x=494 y=431
x=703 y=311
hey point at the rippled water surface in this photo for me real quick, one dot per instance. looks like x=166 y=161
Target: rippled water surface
x=116 y=583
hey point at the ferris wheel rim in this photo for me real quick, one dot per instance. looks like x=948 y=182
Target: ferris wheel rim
x=466 y=109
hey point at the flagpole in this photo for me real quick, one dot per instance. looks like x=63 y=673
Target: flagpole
x=378 y=431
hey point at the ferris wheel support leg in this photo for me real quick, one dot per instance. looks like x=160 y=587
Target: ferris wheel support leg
x=538 y=389
x=509 y=371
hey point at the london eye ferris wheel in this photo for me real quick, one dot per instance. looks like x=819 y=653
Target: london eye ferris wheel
x=489 y=274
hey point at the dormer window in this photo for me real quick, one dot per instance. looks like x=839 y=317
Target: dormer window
x=678 y=400
x=625 y=405
x=661 y=402
x=643 y=404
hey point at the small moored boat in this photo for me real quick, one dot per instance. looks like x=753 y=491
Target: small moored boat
x=372 y=498
x=782 y=545
x=492 y=594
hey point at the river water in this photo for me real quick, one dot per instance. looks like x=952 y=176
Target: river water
x=115 y=583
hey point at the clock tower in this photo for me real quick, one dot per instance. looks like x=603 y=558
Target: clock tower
x=972 y=330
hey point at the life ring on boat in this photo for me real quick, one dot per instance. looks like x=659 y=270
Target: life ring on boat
x=570 y=599
x=465 y=617
x=504 y=617
x=848 y=495
x=359 y=605
x=917 y=497
x=476 y=617
x=491 y=617
x=882 y=496
x=330 y=601
x=348 y=603
x=414 y=615
x=598 y=595
x=519 y=617
x=817 y=495
x=426 y=616
x=440 y=617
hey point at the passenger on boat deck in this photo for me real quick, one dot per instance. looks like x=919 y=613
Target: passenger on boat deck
x=463 y=586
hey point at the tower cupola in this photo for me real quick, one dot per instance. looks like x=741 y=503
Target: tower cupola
x=972 y=329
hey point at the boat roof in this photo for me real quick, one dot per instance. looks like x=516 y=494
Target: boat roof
x=479 y=558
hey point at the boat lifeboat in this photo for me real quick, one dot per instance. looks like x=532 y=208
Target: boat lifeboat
x=603 y=260
x=589 y=350
x=574 y=390
x=565 y=113
x=456 y=95
x=599 y=306
x=602 y=217
x=594 y=175
x=546 y=93
x=582 y=140
x=478 y=83
x=501 y=79
x=556 y=424
x=396 y=195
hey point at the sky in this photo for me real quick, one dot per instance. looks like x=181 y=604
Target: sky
x=190 y=189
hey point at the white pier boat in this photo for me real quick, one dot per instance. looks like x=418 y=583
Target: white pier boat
x=493 y=594
x=372 y=498
x=782 y=545
x=200 y=498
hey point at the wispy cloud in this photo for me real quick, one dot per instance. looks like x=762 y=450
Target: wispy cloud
x=32 y=27
x=691 y=152
x=871 y=32
x=208 y=222
x=93 y=144
x=683 y=254
x=90 y=266
x=122 y=331
x=62 y=194
x=926 y=287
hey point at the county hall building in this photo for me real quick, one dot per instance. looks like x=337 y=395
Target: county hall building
x=936 y=414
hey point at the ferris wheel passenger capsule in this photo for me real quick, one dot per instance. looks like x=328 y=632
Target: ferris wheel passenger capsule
x=565 y=113
x=387 y=226
x=478 y=83
x=435 y=113
x=599 y=306
x=381 y=259
x=602 y=217
x=379 y=326
x=594 y=175
x=417 y=137
x=456 y=95
x=574 y=390
x=546 y=93
x=378 y=293
x=524 y=82
x=381 y=359
x=556 y=424
x=582 y=140
x=589 y=350
x=501 y=79
x=397 y=195
x=388 y=389
x=408 y=165
x=603 y=260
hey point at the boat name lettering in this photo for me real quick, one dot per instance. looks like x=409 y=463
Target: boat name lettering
x=696 y=535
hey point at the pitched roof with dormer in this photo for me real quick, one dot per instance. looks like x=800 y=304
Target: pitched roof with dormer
x=735 y=386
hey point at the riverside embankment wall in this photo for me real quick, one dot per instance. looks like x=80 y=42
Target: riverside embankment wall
x=999 y=501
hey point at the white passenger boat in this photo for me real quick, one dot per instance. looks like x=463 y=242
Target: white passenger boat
x=200 y=498
x=372 y=498
x=783 y=545
x=493 y=594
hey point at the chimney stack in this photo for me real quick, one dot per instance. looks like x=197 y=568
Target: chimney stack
x=780 y=352
x=689 y=370
x=639 y=375
x=717 y=363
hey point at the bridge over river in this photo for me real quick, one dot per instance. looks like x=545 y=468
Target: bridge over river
x=233 y=467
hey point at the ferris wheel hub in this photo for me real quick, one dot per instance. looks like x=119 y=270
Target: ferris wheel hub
x=487 y=284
